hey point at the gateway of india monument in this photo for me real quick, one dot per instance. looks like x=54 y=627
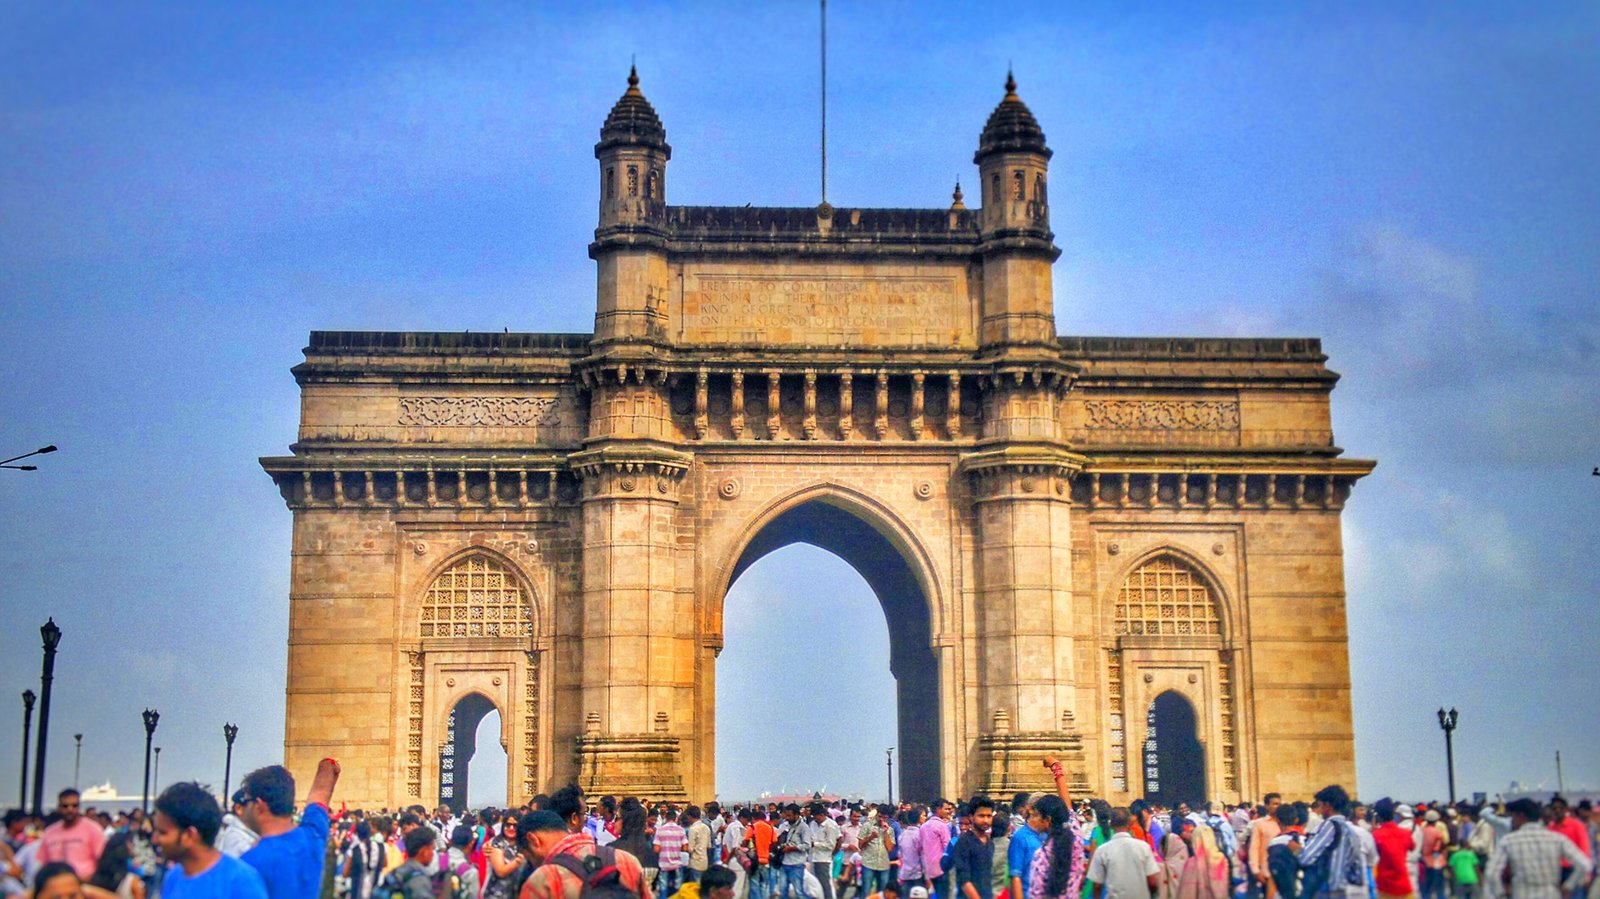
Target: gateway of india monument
x=1123 y=551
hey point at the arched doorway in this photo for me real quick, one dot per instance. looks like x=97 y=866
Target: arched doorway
x=829 y=524
x=460 y=745
x=1175 y=763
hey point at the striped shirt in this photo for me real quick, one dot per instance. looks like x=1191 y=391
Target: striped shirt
x=1535 y=855
x=670 y=838
x=1345 y=863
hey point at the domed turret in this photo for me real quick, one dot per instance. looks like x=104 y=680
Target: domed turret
x=1014 y=224
x=1013 y=167
x=1011 y=128
x=633 y=154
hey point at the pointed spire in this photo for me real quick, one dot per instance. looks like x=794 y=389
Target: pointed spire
x=633 y=79
x=1011 y=84
x=957 y=197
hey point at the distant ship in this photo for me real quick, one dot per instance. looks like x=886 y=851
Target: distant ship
x=105 y=794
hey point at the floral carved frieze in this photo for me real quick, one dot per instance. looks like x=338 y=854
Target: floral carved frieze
x=1162 y=415
x=478 y=411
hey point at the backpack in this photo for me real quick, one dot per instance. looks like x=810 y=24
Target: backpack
x=1320 y=878
x=451 y=883
x=601 y=877
x=1284 y=867
x=394 y=883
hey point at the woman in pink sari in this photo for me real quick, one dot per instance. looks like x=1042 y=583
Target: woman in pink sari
x=1205 y=874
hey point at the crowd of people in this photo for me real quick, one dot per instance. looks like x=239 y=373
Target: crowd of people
x=1047 y=845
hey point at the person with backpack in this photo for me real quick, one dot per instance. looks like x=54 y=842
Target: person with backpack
x=364 y=862
x=411 y=880
x=460 y=878
x=574 y=867
x=1334 y=860
x=1283 y=854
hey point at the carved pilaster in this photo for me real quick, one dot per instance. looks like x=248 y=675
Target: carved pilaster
x=808 y=421
x=736 y=406
x=918 y=386
x=847 y=405
x=880 y=406
x=702 y=422
x=952 y=411
x=774 y=412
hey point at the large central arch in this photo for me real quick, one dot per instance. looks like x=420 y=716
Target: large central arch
x=849 y=527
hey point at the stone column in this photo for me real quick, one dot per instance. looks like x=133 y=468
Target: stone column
x=1025 y=619
x=636 y=626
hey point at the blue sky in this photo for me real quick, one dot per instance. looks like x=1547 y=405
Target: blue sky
x=188 y=189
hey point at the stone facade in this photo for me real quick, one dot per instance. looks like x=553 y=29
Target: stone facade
x=1060 y=529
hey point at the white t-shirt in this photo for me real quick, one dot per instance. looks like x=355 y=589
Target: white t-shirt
x=1124 y=864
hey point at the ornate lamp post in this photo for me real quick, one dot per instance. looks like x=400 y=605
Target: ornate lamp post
x=889 y=761
x=1447 y=721
x=77 y=758
x=27 y=728
x=151 y=719
x=156 y=778
x=51 y=635
x=229 y=732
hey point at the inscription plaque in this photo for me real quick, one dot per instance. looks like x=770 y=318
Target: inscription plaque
x=828 y=310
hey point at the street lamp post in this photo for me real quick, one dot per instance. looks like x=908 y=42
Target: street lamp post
x=229 y=732
x=51 y=635
x=6 y=463
x=889 y=761
x=1447 y=721
x=156 y=778
x=27 y=728
x=151 y=719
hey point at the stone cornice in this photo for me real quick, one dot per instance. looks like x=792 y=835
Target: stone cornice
x=406 y=482
x=1023 y=459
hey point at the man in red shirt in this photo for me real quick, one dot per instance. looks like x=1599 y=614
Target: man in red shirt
x=74 y=839
x=1394 y=844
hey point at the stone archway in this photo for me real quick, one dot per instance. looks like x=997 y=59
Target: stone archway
x=828 y=523
x=460 y=744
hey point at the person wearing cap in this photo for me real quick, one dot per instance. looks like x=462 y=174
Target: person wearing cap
x=236 y=838
x=1535 y=855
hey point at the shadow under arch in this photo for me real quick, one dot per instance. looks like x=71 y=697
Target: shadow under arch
x=461 y=744
x=837 y=521
x=1172 y=751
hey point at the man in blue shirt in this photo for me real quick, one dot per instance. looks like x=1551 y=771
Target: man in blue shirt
x=289 y=856
x=186 y=822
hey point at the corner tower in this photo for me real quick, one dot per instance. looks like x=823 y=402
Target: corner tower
x=630 y=241
x=1014 y=224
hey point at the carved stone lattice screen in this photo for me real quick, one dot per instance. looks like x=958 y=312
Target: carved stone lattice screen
x=1165 y=597
x=414 y=726
x=476 y=597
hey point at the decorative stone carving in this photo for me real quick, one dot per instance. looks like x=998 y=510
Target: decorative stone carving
x=924 y=489
x=1162 y=415
x=478 y=411
x=729 y=488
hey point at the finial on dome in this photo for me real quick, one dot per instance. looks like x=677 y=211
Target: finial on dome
x=1011 y=84
x=957 y=197
x=633 y=79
